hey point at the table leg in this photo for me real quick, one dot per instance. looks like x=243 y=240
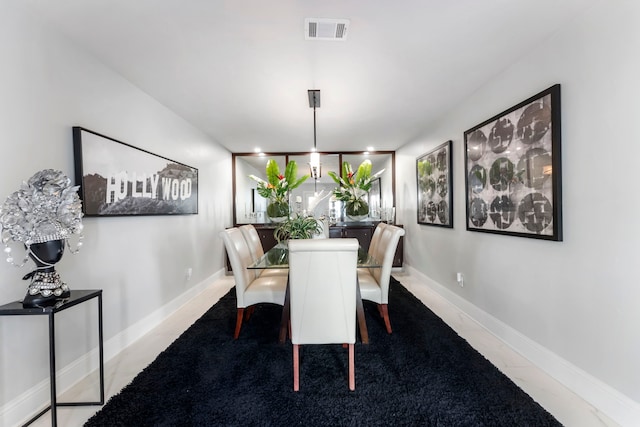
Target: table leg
x=52 y=370
x=284 y=323
x=101 y=349
x=362 y=324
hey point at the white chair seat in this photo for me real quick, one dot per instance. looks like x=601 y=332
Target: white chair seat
x=271 y=272
x=270 y=289
x=369 y=287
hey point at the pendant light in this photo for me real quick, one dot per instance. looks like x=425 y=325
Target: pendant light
x=315 y=167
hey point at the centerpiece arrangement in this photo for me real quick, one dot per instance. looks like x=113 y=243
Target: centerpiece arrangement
x=354 y=187
x=277 y=187
x=297 y=227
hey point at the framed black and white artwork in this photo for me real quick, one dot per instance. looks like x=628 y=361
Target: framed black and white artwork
x=513 y=170
x=118 y=179
x=435 y=179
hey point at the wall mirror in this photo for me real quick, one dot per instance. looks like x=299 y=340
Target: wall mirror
x=250 y=207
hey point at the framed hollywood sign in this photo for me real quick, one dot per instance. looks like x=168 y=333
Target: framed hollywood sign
x=513 y=170
x=118 y=179
x=435 y=179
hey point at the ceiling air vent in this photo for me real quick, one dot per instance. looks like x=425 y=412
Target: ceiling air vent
x=325 y=29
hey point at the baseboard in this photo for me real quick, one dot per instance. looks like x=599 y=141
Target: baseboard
x=29 y=403
x=606 y=399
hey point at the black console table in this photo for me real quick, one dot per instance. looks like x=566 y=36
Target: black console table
x=77 y=297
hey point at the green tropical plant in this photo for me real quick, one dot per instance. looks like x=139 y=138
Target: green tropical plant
x=354 y=186
x=297 y=227
x=277 y=186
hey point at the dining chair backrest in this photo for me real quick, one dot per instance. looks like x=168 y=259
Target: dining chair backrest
x=252 y=238
x=384 y=253
x=322 y=286
x=376 y=238
x=239 y=258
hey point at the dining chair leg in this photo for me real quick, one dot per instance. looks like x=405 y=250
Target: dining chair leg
x=249 y=312
x=385 y=315
x=296 y=368
x=362 y=323
x=284 y=322
x=239 y=318
x=352 y=373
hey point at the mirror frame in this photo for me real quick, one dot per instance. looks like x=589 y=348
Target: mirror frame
x=307 y=153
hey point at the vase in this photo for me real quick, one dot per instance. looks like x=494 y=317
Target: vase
x=278 y=211
x=357 y=210
x=45 y=288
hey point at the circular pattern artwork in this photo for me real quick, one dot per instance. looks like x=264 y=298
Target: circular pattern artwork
x=534 y=122
x=476 y=144
x=501 y=174
x=442 y=187
x=434 y=186
x=478 y=212
x=442 y=161
x=501 y=135
x=512 y=185
x=430 y=188
x=443 y=212
x=477 y=179
x=537 y=162
x=535 y=212
x=502 y=212
x=431 y=211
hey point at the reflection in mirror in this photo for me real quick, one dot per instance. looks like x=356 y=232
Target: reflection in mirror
x=250 y=206
x=381 y=193
x=312 y=197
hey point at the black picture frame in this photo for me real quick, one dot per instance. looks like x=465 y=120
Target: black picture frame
x=434 y=176
x=118 y=179
x=513 y=170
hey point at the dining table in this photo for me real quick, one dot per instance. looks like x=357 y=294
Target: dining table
x=278 y=258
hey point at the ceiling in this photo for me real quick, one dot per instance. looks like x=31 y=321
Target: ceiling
x=239 y=70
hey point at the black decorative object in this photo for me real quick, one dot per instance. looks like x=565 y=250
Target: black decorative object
x=42 y=215
x=118 y=179
x=424 y=374
x=45 y=288
x=513 y=170
x=435 y=187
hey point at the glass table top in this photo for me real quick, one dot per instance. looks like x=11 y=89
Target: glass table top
x=278 y=257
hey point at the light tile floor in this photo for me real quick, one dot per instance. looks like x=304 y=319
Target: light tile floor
x=565 y=405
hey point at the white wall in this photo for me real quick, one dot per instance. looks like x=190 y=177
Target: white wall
x=578 y=299
x=48 y=86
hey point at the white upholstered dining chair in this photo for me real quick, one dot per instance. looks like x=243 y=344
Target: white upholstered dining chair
x=374 y=282
x=322 y=295
x=376 y=238
x=250 y=289
x=250 y=234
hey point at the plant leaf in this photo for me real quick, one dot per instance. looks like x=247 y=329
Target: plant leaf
x=291 y=171
x=273 y=171
x=297 y=183
x=346 y=170
x=290 y=174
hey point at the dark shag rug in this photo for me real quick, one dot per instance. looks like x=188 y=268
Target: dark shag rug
x=423 y=374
